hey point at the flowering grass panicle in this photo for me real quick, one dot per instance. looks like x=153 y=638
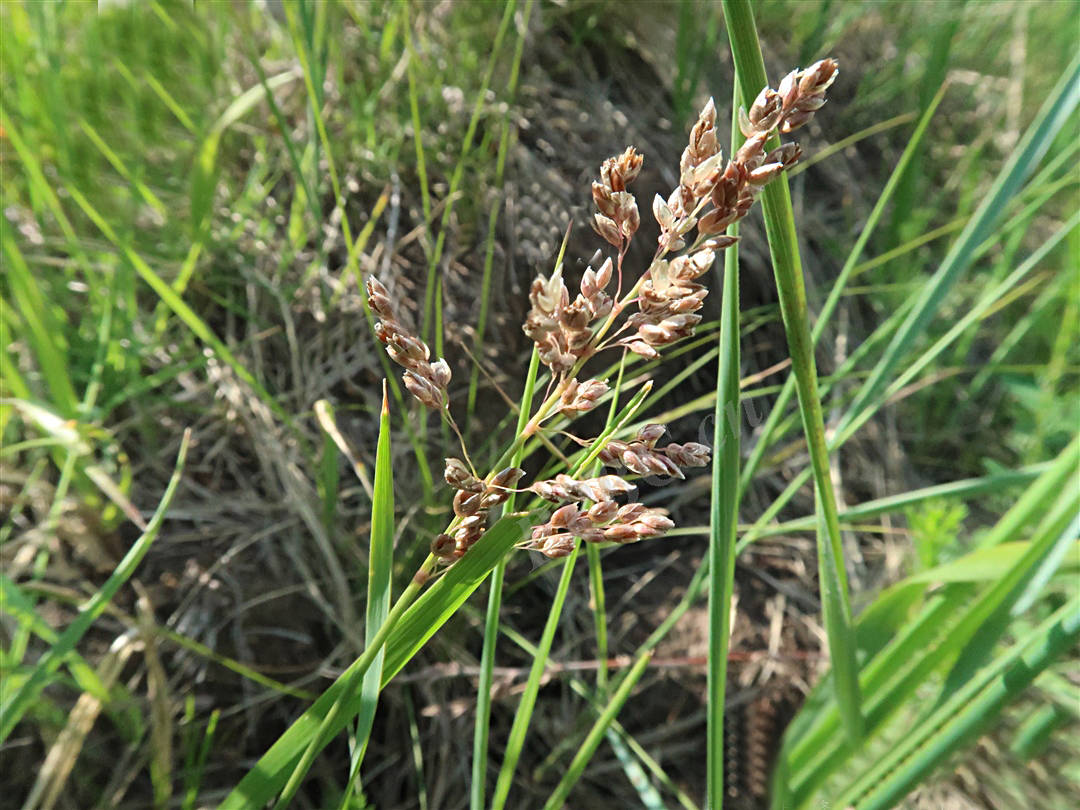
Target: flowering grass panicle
x=659 y=309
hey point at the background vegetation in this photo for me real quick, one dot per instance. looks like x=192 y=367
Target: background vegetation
x=191 y=197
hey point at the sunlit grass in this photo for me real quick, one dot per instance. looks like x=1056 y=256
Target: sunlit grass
x=192 y=197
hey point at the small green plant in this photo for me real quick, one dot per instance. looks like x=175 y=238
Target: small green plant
x=934 y=527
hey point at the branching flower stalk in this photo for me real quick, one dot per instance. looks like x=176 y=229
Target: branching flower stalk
x=660 y=309
x=710 y=196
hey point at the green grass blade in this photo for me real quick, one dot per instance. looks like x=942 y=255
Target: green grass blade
x=19 y=607
x=1033 y=736
x=598 y=599
x=915 y=651
x=43 y=329
x=193 y=772
x=1028 y=506
x=893 y=675
x=724 y=504
x=979 y=647
x=148 y=196
x=523 y=716
x=283 y=125
x=1038 y=138
x=933 y=79
x=231 y=664
x=493 y=218
x=430 y=327
x=177 y=304
x=377 y=621
x=598 y=607
x=43 y=188
x=161 y=92
x=449 y=592
x=414 y=111
x=849 y=269
x=380 y=570
x=15 y=705
x=417 y=751
x=595 y=736
x=205 y=176
x=956 y=722
x=481 y=726
x=313 y=84
x=648 y=795
x=287 y=760
x=1049 y=568
x=963 y=488
x=852 y=422
x=625 y=744
x=787 y=269
x=971 y=315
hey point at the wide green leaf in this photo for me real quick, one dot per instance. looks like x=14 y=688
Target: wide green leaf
x=407 y=635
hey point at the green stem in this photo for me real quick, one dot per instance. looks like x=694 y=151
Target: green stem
x=724 y=512
x=353 y=677
x=519 y=729
x=481 y=727
x=596 y=568
x=592 y=741
x=599 y=611
x=787 y=268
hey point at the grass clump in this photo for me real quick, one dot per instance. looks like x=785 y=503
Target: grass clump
x=195 y=199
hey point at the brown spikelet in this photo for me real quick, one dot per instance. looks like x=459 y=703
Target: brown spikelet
x=662 y=307
x=603 y=522
x=425 y=380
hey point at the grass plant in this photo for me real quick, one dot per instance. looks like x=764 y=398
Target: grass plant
x=214 y=216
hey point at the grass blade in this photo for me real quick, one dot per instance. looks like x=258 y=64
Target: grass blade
x=193 y=772
x=851 y=422
x=724 y=506
x=623 y=744
x=43 y=329
x=481 y=726
x=451 y=590
x=432 y=320
x=959 y=719
x=493 y=217
x=19 y=607
x=787 y=268
x=380 y=569
x=963 y=488
x=380 y=563
x=944 y=628
x=16 y=705
x=598 y=602
x=173 y=301
x=205 y=176
x=849 y=269
x=410 y=623
x=525 y=708
x=596 y=734
x=1037 y=140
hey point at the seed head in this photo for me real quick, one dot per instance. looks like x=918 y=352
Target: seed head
x=690 y=454
x=460 y=476
x=423 y=389
x=580 y=397
x=444 y=547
